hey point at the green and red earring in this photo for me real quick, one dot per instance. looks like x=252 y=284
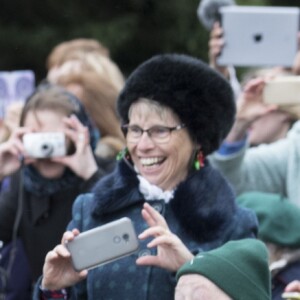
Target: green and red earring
x=123 y=153
x=199 y=161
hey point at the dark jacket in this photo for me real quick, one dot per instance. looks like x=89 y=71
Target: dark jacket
x=44 y=219
x=203 y=213
x=286 y=275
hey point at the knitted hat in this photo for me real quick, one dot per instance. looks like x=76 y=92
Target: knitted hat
x=279 y=219
x=201 y=97
x=239 y=268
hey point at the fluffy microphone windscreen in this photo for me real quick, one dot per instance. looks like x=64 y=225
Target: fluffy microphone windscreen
x=208 y=11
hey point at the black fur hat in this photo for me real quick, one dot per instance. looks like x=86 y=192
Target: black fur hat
x=201 y=97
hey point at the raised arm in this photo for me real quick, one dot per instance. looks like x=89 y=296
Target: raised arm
x=250 y=107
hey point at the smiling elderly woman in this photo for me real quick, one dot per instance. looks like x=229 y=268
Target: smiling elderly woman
x=175 y=111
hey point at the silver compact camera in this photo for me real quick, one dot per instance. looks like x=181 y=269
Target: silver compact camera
x=45 y=144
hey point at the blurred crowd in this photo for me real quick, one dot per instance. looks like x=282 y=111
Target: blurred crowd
x=239 y=241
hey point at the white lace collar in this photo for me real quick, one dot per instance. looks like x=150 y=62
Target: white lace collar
x=153 y=192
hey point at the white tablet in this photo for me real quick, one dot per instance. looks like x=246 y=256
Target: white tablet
x=259 y=35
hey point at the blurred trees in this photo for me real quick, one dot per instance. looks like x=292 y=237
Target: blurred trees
x=133 y=30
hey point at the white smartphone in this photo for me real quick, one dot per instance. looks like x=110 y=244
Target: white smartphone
x=103 y=244
x=283 y=91
x=291 y=295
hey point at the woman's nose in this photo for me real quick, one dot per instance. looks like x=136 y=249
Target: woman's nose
x=145 y=141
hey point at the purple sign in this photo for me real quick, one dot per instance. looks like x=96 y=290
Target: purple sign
x=15 y=86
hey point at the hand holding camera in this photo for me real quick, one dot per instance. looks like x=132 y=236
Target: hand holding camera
x=284 y=91
x=82 y=161
x=250 y=105
x=50 y=145
x=12 y=153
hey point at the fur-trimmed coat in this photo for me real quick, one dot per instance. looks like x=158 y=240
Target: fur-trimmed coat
x=203 y=213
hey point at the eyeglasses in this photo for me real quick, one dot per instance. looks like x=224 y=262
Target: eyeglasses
x=158 y=134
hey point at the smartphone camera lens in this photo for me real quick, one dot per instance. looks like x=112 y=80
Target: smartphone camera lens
x=126 y=237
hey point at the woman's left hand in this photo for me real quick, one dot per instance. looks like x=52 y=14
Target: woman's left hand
x=82 y=162
x=171 y=252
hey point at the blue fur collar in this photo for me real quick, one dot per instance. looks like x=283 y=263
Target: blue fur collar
x=204 y=202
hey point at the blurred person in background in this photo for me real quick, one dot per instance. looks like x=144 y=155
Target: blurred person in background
x=271 y=168
x=37 y=193
x=96 y=80
x=271 y=125
x=279 y=223
x=98 y=96
x=87 y=54
x=77 y=61
x=61 y=51
x=266 y=128
x=215 y=45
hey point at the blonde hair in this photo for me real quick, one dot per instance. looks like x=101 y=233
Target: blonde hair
x=85 y=66
x=60 y=52
x=99 y=97
x=100 y=64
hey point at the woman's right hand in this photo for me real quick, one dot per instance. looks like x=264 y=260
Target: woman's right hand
x=250 y=107
x=11 y=152
x=58 y=271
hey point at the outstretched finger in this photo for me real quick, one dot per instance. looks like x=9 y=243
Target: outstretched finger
x=58 y=251
x=15 y=148
x=148 y=260
x=69 y=236
x=74 y=126
x=153 y=217
x=163 y=240
x=17 y=136
x=254 y=85
x=153 y=231
x=74 y=123
x=80 y=138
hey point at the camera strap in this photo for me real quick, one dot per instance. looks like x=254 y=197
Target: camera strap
x=5 y=274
